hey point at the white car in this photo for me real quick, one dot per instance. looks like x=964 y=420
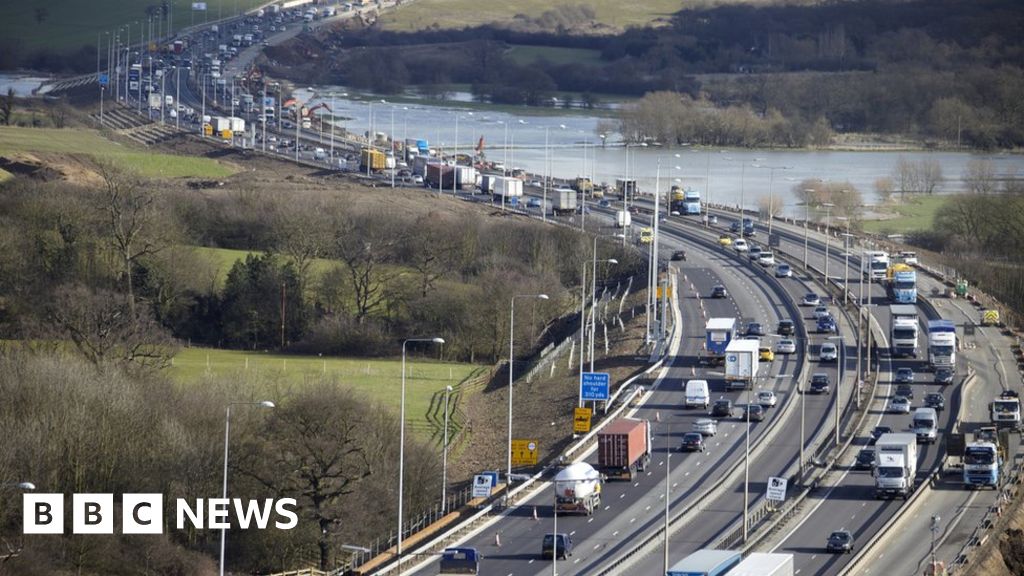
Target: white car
x=767 y=259
x=828 y=353
x=705 y=426
x=810 y=299
x=899 y=405
x=821 y=311
x=785 y=346
x=766 y=398
x=783 y=271
x=740 y=245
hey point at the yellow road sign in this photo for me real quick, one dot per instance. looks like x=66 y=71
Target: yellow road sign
x=524 y=452
x=581 y=421
x=669 y=288
x=646 y=235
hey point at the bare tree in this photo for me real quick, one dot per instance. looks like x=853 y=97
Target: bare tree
x=930 y=176
x=766 y=206
x=365 y=247
x=304 y=235
x=980 y=176
x=103 y=330
x=129 y=207
x=7 y=108
x=883 y=188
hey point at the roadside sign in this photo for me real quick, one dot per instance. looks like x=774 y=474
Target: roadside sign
x=524 y=452
x=581 y=421
x=774 y=241
x=968 y=329
x=482 y=485
x=776 y=488
x=104 y=80
x=594 y=385
x=668 y=288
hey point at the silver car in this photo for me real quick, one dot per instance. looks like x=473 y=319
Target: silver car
x=899 y=405
x=705 y=426
x=766 y=398
x=828 y=353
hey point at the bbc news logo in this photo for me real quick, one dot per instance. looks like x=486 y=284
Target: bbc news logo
x=143 y=513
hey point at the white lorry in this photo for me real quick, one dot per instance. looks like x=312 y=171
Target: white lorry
x=564 y=201
x=1004 y=411
x=578 y=487
x=895 y=465
x=875 y=265
x=623 y=219
x=926 y=425
x=942 y=344
x=507 y=189
x=741 y=359
x=903 y=336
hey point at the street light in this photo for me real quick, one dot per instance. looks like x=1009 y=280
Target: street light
x=593 y=307
x=444 y=459
x=511 y=374
x=771 y=193
x=19 y=485
x=846 y=270
x=227 y=432
x=828 y=234
x=547 y=173
x=401 y=445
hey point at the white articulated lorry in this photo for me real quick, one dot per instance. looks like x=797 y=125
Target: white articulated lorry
x=895 y=465
x=741 y=358
x=579 y=488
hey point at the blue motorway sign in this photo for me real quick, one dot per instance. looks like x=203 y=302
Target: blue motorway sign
x=595 y=386
x=104 y=79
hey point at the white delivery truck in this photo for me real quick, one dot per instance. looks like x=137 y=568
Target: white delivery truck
x=741 y=359
x=895 y=465
x=926 y=425
x=903 y=336
x=623 y=219
x=507 y=189
x=563 y=201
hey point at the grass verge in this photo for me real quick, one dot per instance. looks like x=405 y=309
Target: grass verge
x=91 y=143
x=463 y=13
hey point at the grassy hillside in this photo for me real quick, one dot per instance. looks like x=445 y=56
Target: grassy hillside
x=462 y=13
x=67 y=25
x=91 y=143
x=379 y=380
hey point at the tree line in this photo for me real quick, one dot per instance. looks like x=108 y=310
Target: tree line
x=83 y=264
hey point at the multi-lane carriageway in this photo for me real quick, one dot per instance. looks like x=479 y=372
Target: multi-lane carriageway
x=633 y=511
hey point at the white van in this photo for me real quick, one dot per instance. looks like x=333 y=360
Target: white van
x=926 y=425
x=697 y=394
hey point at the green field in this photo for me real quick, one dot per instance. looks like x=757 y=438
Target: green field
x=915 y=213
x=68 y=25
x=462 y=13
x=526 y=55
x=379 y=380
x=91 y=143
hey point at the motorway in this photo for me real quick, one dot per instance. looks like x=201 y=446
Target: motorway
x=632 y=510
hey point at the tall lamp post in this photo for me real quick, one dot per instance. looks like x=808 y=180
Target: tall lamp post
x=401 y=445
x=227 y=432
x=828 y=234
x=511 y=373
x=444 y=458
x=771 y=192
x=847 y=240
x=593 y=306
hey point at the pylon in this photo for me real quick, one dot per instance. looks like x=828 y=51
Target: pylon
x=497 y=539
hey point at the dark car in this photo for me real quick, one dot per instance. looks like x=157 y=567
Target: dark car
x=865 y=459
x=734 y=227
x=679 y=255
x=692 y=442
x=935 y=400
x=460 y=561
x=556 y=544
x=905 y=390
x=904 y=375
x=755 y=412
x=785 y=328
x=877 y=433
x=820 y=383
x=943 y=376
x=840 y=541
x=722 y=408
x=755 y=329
x=719 y=291
x=754 y=253
x=826 y=324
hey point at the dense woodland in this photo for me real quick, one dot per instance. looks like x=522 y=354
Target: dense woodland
x=942 y=70
x=101 y=284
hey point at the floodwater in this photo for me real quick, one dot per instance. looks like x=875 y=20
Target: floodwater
x=724 y=176
x=23 y=84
